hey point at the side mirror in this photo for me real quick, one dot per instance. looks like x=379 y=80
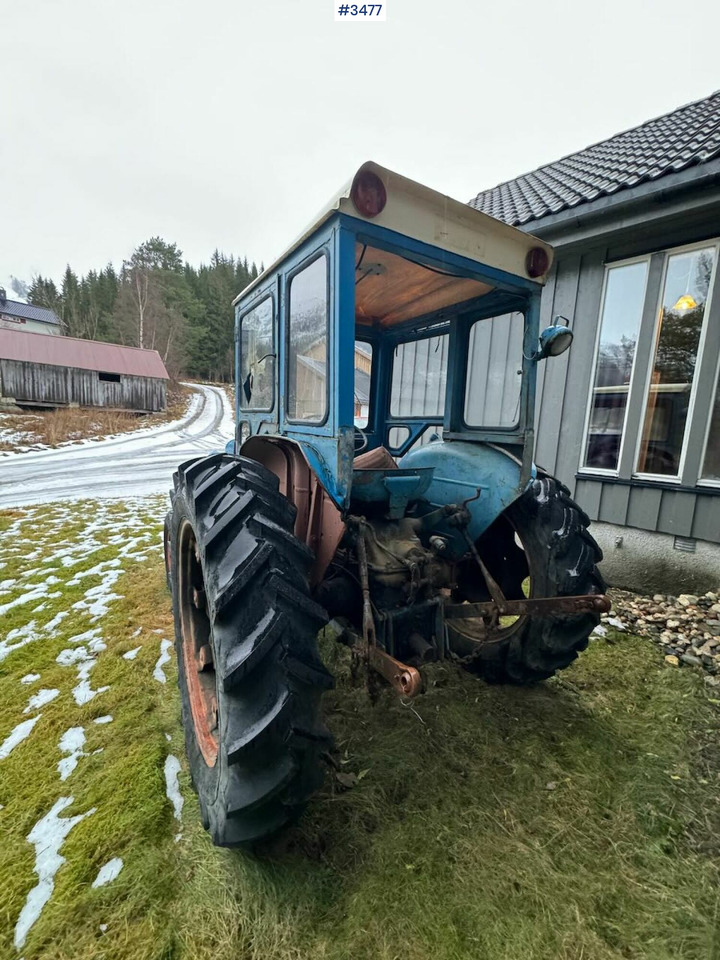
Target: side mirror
x=554 y=340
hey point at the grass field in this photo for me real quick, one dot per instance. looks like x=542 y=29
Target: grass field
x=577 y=820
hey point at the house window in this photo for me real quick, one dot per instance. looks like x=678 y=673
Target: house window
x=680 y=323
x=711 y=462
x=657 y=353
x=619 y=327
x=108 y=377
x=308 y=343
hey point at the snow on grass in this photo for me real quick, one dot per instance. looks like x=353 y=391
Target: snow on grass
x=71 y=743
x=108 y=872
x=40 y=698
x=131 y=654
x=102 y=720
x=172 y=786
x=30 y=678
x=47 y=836
x=164 y=658
x=16 y=736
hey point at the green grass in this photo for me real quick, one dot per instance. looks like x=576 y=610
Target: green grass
x=577 y=820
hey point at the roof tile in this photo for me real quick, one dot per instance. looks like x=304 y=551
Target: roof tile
x=685 y=137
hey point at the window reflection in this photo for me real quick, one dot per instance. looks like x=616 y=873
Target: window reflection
x=685 y=293
x=363 y=367
x=307 y=360
x=620 y=322
x=257 y=358
x=711 y=466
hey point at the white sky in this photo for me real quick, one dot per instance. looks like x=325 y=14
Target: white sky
x=229 y=123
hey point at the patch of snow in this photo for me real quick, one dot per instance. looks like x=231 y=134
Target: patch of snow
x=164 y=658
x=131 y=654
x=599 y=631
x=108 y=872
x=16 y=736
x=30 y=678
x=168 y=737
x=47 y=836
x=106 y=719
x=614 y=622
x=40 y=698
x=172 y=787
x=72 y=743
x=137 y=633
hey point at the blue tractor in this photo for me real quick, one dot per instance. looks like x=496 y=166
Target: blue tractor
x=381 y=475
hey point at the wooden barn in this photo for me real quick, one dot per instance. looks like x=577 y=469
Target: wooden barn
x=37 y=370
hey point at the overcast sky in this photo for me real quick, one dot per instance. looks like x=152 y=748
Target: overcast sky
x=229 y=123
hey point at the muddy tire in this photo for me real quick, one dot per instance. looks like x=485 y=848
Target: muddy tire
x=250 y=675
x=560 y=558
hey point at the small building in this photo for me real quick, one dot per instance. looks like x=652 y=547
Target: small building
x=37 y=370
x=16 y=315
x=629 y=417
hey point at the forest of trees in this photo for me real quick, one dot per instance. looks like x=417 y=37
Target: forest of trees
x=158 y=302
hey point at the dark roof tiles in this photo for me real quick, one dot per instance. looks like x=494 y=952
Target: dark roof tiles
x=683 y=138
x=28 y=311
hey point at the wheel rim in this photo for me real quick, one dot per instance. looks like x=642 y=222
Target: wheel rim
x=476 y=631
x=197 y=648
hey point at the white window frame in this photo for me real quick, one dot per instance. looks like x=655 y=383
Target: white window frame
x=609 y=471
x=667 y=253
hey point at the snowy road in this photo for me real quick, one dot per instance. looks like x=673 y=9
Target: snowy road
x=136 y=464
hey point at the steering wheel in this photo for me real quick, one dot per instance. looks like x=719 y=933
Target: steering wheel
x=361 y=440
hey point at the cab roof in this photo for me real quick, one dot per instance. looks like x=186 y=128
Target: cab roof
x=423 y=214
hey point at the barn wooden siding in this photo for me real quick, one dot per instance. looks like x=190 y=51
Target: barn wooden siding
x=49 y=384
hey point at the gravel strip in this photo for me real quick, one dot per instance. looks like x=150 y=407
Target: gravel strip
x=686 y=628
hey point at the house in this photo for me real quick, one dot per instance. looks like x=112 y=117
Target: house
x=629 y=417
x=37 y=370
x=16 y=315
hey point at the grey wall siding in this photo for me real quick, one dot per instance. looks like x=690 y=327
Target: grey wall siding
x=45 y=383
x=575 y=290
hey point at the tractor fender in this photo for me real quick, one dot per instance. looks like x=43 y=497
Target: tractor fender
x=461 y=471
x=319 y=522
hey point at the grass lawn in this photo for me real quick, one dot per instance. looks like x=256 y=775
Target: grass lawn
x=577 y=820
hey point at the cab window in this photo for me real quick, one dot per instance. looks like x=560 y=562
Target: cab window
x=308 y=343
x=257 y=357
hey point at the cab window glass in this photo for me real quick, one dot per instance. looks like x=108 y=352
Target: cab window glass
x=257 y=357
x=363 y=369
x=308 y=343
x=419 y=377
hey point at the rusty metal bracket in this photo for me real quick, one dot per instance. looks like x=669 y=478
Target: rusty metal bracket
x=534 y=607
x=406 y=680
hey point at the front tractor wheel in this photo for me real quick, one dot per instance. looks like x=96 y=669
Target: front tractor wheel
x=539 y=547
x=249 y=672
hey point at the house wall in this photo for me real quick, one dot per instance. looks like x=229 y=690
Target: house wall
x=29 y=326
x=637 y=521
x=48 y=384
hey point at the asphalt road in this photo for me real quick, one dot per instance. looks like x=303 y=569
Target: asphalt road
x=137 y=464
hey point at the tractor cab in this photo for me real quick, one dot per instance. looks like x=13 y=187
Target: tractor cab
x=395 y=344
x=382 y=475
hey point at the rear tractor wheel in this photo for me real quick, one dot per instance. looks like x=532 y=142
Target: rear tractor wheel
x=539 y=547
x=250 y=675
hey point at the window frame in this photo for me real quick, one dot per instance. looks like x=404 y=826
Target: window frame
x=693 y=449
x=677 y=479
x=304 y=265
x=268 y=295
x=609 y=471
x=524 y=360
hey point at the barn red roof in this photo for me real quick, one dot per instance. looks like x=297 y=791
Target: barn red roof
x=85 y=354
